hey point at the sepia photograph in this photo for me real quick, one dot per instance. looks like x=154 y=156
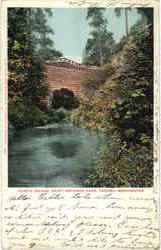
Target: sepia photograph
x=80 y=97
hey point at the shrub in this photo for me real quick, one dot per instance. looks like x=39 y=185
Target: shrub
x=64 y=98
x=117 y=166
x=96 y=79
x=22 y=116
x=58 y=115
x=122 y=106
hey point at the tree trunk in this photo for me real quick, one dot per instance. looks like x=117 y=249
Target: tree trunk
x=100 y=48
x=126 y=21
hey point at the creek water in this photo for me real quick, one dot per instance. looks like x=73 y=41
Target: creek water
x=59 y=155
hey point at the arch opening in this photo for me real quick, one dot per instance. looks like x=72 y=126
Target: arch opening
x=64 y=98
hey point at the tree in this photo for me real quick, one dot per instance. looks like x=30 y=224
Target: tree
x=99 y=45
x=123 y=109
x=145 y=21
x=40 y=31
x=118 y=12
x=147 y=15
x=25 y=68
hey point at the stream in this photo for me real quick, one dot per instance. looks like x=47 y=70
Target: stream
x=56 y=155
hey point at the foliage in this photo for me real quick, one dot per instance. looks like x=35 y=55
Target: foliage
x=118 y=12
x=64 y=98
x=99 y=45
x=42 y=32
x=94 y=111
x=25 y=74
x=22 y=116
x=25 y=68
x=148 y=13
x=35 y=24
x=122 y=108
x=119 y=166
x=96 y=79
x=58 y=115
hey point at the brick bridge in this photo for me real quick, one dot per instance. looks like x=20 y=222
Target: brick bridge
x=65 y=73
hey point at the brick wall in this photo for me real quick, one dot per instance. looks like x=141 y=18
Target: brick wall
x=64 y=75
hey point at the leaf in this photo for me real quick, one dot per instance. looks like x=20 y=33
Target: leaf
x=137 y=92
x=16 y=45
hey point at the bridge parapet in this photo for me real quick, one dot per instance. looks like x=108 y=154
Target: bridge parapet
x=68 y=63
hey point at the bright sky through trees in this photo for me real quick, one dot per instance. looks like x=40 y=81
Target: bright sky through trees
x=71 y=29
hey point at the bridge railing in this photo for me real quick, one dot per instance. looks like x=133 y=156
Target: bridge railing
x=67 y=63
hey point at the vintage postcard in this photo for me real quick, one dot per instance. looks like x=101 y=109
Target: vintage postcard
x=79 y=124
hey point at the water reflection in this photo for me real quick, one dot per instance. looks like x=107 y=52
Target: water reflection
x=64 y=149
